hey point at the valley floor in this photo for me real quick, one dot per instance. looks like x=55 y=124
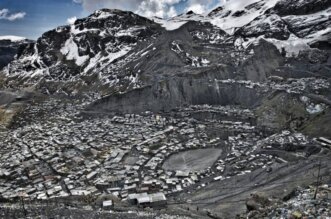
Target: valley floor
x=75 y=162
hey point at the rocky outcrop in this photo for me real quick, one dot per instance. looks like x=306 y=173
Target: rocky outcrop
x=259 y=66
x=281 y=111
x=196 y=88
x=299 y=7
x=178 y=92
x=7 y=115
x=9 y=49
x=88 y=46
x=256 y=202
x=319 y=125
x=270 y=26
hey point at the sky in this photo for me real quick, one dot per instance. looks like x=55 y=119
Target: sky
x=31 y=18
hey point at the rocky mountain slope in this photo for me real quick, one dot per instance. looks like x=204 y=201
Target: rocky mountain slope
x=245 y=53
x=9 y=47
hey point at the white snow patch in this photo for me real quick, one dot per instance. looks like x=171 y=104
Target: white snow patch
x=12 y=38
x=76 y=31
x=70 y=50
x=230 y=23
x=109 y=58
x=292 y=46
x=71 y=20
x=176 y=48
x=205 y=62
x=36 y=73
x=176 y=22
x=169 y=24
x=129 y=32
x=102 y=14
x=145 y=53
x=314 y=109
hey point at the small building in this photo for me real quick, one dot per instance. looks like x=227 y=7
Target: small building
x=91 y=175
x=107 y=205
x=180 y=173
x=155 y=200
x=158 y=200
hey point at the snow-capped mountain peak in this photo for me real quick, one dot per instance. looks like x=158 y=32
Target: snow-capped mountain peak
x=87 y=46
x=12 y=38
x=119 y=47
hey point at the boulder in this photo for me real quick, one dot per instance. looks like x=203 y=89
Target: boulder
x=256 y=202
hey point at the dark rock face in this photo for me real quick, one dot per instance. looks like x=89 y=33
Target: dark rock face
x=279 y=25
x=256 y=5
x=7 y=54
x=299 y=7
x=269 y=26
x=260 y=66
x=190 y=13
x=216 y=11
x=199 y=88
x=315 y=56
x=8 y=50
x=303 y=26
x=238 y=13
x=178 y=92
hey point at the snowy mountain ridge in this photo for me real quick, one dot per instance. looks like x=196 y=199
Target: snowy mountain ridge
x=257 y=19
x=114 y=49
x=12 y=38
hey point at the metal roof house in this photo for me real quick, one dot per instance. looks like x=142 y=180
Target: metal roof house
x=155 y=200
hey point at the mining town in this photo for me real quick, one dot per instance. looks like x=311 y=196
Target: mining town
x=165 y=109
x=146 y=161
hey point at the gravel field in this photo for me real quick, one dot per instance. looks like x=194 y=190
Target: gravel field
x=194 y=160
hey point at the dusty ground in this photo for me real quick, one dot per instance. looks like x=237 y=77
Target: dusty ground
x=227 y=198
x=193 y=160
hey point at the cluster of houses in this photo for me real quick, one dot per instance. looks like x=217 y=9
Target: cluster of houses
x=67 y=155
x=292 y=85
